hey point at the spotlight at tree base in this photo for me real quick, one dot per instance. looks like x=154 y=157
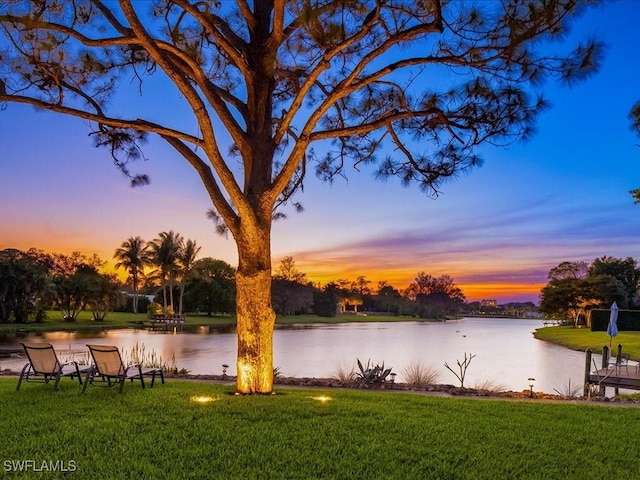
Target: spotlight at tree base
x=203 y=399
x=322 y=398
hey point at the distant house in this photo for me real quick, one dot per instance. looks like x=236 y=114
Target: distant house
x=150 y=298
x=350 y=303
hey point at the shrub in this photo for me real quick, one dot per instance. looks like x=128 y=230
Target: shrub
x=569 y=391
x=628 y=320
x=154 y=308
x=372 y=376
x=344 y=375
x=420 y=375
x=490 y=386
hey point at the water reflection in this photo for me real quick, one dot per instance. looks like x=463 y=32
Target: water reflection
x=505 y=351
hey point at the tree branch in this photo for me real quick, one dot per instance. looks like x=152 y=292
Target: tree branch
x=138 y=124
x=232 y=45
x=199 y=108
x=206 y=175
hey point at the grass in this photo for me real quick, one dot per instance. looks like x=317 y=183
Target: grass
x=583 y=338
x=113 y=320
x=54 y=321
x=161 y=433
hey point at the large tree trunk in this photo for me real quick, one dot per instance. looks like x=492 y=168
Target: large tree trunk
x=256 y=318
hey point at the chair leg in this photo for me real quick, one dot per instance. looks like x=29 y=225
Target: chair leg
x=55 y=384
x=88 y=379
x=22 y=375
x=141 y=376
x=78 y=372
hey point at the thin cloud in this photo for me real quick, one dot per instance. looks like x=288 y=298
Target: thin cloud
x=514 y=246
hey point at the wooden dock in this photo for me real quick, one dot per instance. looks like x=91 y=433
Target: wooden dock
x=167 y=321
x=617 y=375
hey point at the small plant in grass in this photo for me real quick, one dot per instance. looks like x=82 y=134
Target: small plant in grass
x=419 y=375
x=344 y=374
x=568 y=391
x=372 y=375
x=462 y=368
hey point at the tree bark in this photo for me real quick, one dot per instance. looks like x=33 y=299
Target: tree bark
x=135 y=294
x=255 y=315
x=181 y=295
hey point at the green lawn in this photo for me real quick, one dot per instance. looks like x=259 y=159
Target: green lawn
x=583 y=338
x=161 y=433
x=54 y=321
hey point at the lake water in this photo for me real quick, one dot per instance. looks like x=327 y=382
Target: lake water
x=506 y=354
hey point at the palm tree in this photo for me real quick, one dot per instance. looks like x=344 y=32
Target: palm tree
x=133 y=256
x=187 y=259
x=164 y=252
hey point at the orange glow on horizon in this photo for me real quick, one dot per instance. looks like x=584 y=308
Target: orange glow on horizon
x=401 y=280
x=477 y=292
x=320 y=273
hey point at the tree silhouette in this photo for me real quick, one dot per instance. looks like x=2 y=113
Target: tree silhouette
x=406 y=88
x=634 y=116
x=164 y=253
x=133 y=256
x=186 y=260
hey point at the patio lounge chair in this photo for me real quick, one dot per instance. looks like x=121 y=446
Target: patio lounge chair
x=109 y=369
x=44 y=365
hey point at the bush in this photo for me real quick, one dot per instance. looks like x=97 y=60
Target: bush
x=372 y=375
x=325 y=303
x=420 y=375
x=628 y=320
x=154 y=308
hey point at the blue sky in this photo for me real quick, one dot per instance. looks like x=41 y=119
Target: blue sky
x=497 y=231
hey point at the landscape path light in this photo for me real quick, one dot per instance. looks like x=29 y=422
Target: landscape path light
x=531 y=380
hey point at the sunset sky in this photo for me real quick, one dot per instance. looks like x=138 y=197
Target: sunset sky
x=497 y=231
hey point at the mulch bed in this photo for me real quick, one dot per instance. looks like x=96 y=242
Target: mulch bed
x=440 y=389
